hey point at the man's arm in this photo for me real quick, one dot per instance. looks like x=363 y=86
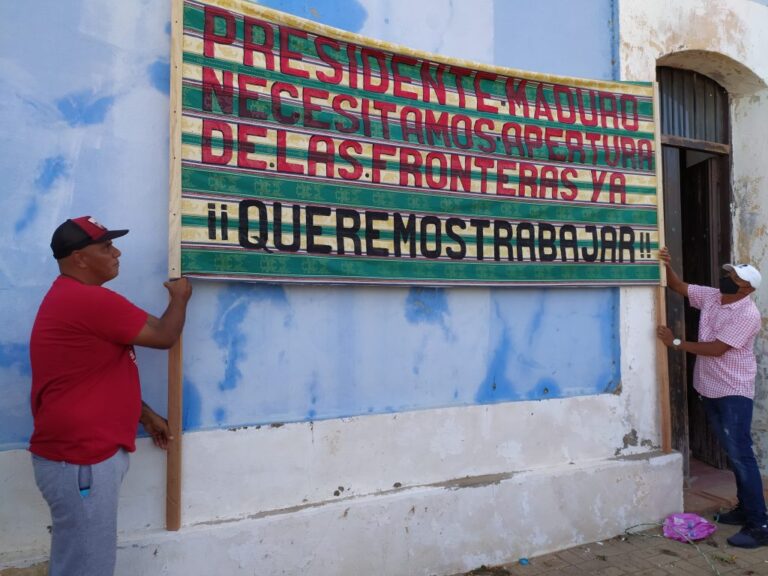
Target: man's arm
x=164 y=331
x=714 y=348
x=673 y=280
x=155 y=425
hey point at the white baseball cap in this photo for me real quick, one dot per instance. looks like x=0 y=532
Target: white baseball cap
x=746 y=272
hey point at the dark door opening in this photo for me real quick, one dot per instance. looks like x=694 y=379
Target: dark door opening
x=703 y=247
x=696 y=160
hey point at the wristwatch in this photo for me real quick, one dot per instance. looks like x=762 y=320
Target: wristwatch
x=676 y=343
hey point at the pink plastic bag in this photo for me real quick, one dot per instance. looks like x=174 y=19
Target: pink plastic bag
x=685 y=527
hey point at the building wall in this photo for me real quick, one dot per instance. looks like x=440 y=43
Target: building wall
x=331 y=430
x=724 y=40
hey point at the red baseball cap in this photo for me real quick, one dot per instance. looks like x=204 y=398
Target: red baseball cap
x=77 y=233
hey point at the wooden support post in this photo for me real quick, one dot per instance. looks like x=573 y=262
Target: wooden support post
x=662 y=370
x=173 y=468
x=173 y=477
x=662 y=359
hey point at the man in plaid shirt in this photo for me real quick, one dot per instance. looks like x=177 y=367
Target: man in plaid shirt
x=724 y=376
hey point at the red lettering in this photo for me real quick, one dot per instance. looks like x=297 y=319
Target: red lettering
x=489 y=140
x=598 y=179
x=245 y=96
x=567 y=114
x=612 y=159
x=516 y=96
x=208 y=155
x=565 y=178
x=287 y=55
x=528 y=179
x=437 y=128
x=277 y=112
x=548 y=180
x=484 y=164
x=513 y=142
x=377 y=162
x=542 y=106
x=442 y=172
x=502 y=178
x=436 y=84
x=592 y=138
x=410 y=163
x=352 y=59
x=283 y=164
x=618 y=186
x=321 y=44
x=575 y=145
x=629 y=119
x=461 y=174
x=265 y=46
x=533 y=139
x=628 y=152
x=608 y=109
x=364 y=113
x=223 y=90
x=457 y=130
x=400 y=80
x=481 y=95
x=210 y=37
x=384 y=108
x=550 y=136
x=645 y=152
x=354 y=122
x=460 y=73
x=381 y=61
x=315 y=156
x=357 y=167
x=310 y=107
x=585 y=119
x=410 y=124
x=245 y=146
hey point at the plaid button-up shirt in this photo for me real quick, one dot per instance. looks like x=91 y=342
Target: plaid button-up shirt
x=737 y=324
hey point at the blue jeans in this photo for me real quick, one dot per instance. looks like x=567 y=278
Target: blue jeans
x=731 y=419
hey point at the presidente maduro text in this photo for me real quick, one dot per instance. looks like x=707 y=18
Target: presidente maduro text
x=543 y=130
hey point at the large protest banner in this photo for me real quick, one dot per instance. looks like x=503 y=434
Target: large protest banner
x=309 y=154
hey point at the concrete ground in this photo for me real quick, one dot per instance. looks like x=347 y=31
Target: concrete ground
x=643 y=551
x=643 y=554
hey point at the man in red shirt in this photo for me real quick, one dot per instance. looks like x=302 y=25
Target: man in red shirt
x=724 y=377
x=86 y=396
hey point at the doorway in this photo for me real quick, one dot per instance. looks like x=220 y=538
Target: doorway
x=697 y=198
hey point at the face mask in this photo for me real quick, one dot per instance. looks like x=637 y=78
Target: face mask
x=728 y=286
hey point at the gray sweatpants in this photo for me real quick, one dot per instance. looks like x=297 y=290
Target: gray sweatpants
x=83 y=503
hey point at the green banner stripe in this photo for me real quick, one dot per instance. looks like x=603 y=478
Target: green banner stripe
x=194 y=20
x=313 y=266
x=343 y=89
x=238 y=185
x=192 y=99
x=233 y=223
x=301 y=154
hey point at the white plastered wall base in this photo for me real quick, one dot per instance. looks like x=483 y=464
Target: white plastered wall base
x=419 y=527
x=490 y=519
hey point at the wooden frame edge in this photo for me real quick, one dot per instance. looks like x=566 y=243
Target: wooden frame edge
x=175 y=370
x=662 y=358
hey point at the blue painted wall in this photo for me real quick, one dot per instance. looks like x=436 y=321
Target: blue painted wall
x=558 y=37
x=86 y=132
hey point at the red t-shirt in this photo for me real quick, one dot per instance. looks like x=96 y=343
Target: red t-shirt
x=86 y=397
